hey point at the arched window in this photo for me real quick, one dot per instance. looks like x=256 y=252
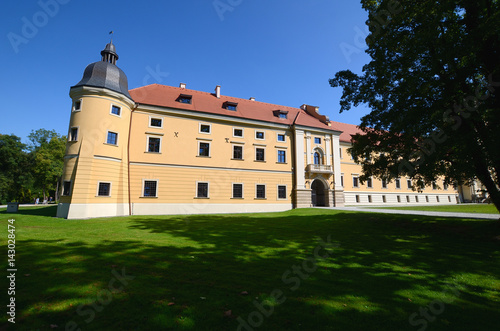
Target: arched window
x=317 y=158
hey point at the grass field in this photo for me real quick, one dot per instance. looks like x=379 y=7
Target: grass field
x=461 y=208
x=254 y=272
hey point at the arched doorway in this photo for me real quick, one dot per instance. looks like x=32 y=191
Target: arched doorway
x=318 y=193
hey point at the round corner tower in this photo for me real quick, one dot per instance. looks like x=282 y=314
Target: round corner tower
x=95 y=175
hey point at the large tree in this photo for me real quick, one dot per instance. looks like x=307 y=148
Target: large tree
x=47 y=150
x=433 y=87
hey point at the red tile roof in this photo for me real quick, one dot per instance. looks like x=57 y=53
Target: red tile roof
x=347 y=130
x=166 y=96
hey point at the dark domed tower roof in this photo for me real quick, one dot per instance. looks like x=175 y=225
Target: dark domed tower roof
x=105 y=73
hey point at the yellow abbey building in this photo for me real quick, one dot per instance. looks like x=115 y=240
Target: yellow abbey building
x=171 y=150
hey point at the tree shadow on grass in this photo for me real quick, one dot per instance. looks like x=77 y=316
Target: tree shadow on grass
x=49 y=210
x=189 y=270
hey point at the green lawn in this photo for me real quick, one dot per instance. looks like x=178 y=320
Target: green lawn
x=461 y=208
x=383 y=272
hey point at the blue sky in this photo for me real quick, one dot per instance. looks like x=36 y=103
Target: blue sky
x=280 y=52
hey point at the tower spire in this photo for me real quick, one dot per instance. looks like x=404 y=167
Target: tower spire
x=109 y=52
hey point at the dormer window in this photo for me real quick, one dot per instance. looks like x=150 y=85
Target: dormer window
x=184 y=98
x=230 y=105
x=283 y=114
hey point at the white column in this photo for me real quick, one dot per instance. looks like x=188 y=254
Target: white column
x=299 y=156
x=336 y=161
x=308 y=147
x=328 y=140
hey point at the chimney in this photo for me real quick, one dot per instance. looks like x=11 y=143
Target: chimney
x=252 y=99
x=217 y=91
x=182 y=85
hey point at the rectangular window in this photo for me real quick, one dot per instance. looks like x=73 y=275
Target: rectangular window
x=238 y=133
x=384 y=183
x=104 y=189
x=369 y=198
x=434 y=186
x=259 y=154
x=238 y=152
x=204 y=149
x=260 y=191
x=115 y=110
x=426 y=198
x=77 y=105
x=398 y=183
x=156 y=122
x=445 y=186
x=150 y=188
x=369 y=183
x=437 y=198
x=408 y=182
x=399 y=198
x=202 y=190
x=259 y=135
x=154 y=145
x=112 y=138
x=281 y=192
x=281 y=156
x=66 y=188
x=357 y=198
x=416 y=198
x=355 y=182
x=282 y=115
x=204 y=128
x=281 y=137
x=342 y=180
x=73 y=134
x=184 y=98
x=449 y=198
x=384 y=200
x=340 y=152
x=408 y=198
x=317 y=140
x=237 y=191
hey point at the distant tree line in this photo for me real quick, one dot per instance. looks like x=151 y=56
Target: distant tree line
x=33 y=170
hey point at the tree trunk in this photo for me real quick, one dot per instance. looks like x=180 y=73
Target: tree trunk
x=484 y=176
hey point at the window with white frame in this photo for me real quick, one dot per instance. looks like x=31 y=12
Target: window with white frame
x=204 y=149
x=155 y=122
x=281 y=156
x=369 y=183
x=104 y=189
x=260 y=191
x=237 y=152
x=150 y=188
x=205 y=128
x=112 y=138
x=237 y=132
x=355 y=181
x=281 y=137
x=154 y=144
x=202 y=190
x=260 y=135
x=237 y=191
x=77 y=105
x=434 y=186
x=384 y=183
x=281 y=192
x=317 y=140
x=342 y=180
x=115 y=110
x=398 y=183
x=408 y=183
x=260 y=154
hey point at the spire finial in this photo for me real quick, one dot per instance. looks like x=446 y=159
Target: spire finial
x=111 y=34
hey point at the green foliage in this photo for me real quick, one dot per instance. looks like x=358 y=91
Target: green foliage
x=433 y=86
x=26 y=171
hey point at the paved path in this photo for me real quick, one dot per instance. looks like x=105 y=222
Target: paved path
x=419 y=212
